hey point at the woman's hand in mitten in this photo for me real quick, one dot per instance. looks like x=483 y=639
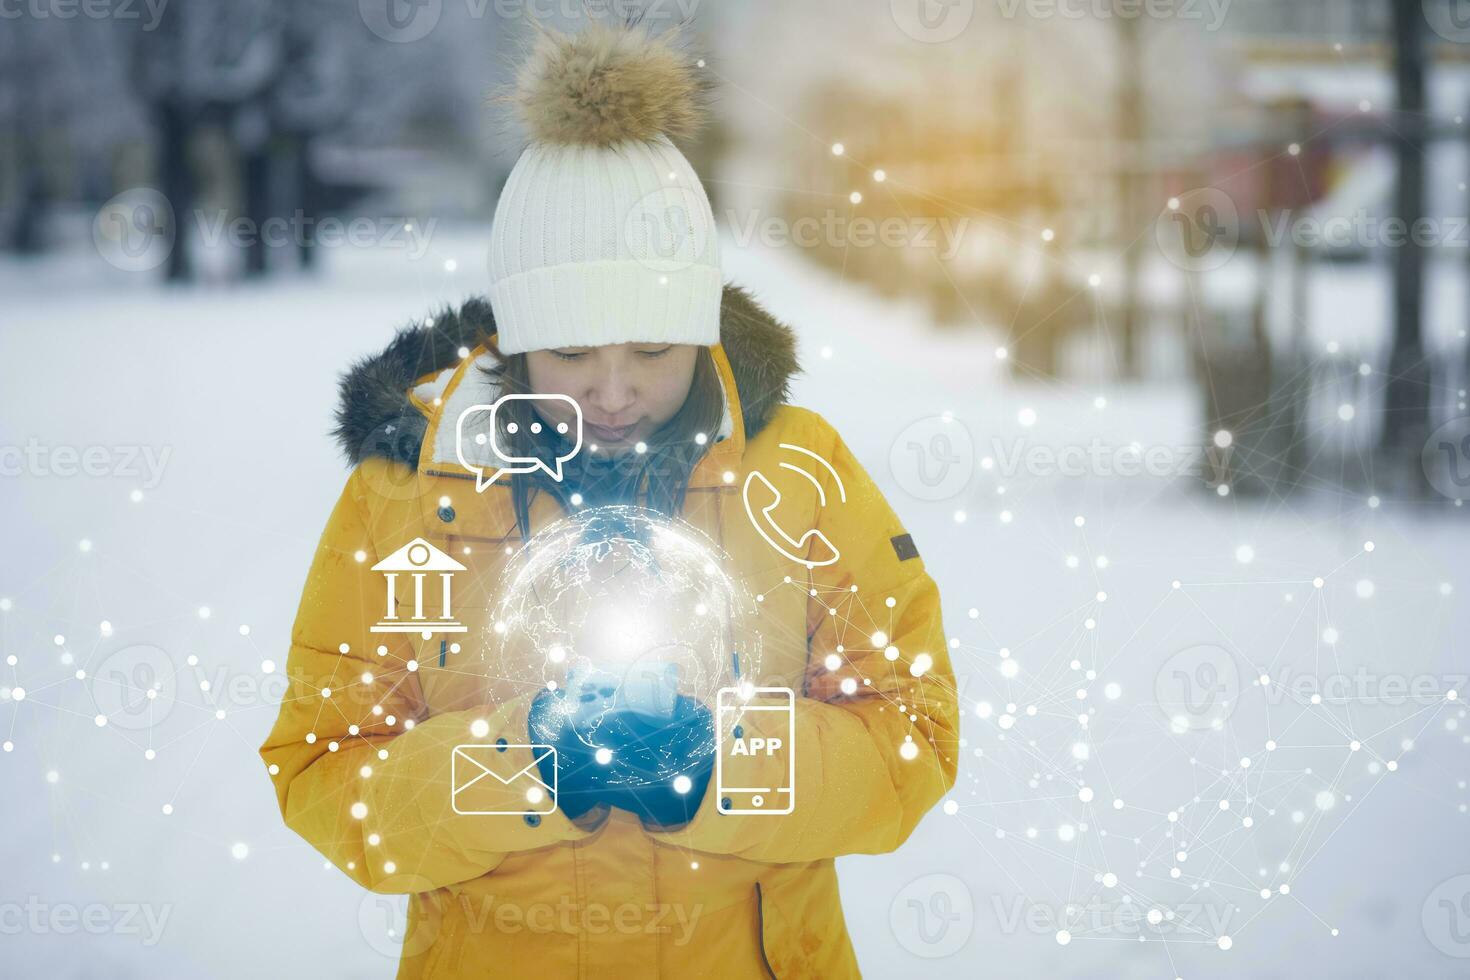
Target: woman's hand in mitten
x=660 y=768
x=575 y=772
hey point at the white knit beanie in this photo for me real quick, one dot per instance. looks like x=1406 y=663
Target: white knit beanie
x=603 y=233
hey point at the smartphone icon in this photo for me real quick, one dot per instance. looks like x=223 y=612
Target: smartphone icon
x=742 y=766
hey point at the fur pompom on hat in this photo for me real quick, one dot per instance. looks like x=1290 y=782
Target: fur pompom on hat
x=603 y=233
x=606 y=85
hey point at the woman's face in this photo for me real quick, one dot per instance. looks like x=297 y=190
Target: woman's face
x=627 y=391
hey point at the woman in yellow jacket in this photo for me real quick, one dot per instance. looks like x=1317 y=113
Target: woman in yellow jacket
x=605 y=289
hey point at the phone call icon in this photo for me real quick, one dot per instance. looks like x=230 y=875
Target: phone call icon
x=811 y=547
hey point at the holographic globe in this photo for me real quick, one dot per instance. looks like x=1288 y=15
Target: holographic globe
x=623 y=608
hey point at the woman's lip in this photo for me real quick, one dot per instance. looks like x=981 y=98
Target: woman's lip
x=609 y=433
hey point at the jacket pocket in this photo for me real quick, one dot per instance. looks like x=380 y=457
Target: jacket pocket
x=800 y=926
x=761 y=934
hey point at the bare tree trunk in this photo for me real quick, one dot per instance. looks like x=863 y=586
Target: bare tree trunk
x=1130 y=139
x=255 y=175
x=1406 y=405
x=308 y=194
x=176 y=180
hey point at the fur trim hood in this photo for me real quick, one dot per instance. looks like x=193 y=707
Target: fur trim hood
x=376 y=417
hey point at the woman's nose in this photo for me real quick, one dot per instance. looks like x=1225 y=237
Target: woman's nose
x=612 y=396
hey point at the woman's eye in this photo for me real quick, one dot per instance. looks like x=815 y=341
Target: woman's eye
x=656 y=353
x=570 y=355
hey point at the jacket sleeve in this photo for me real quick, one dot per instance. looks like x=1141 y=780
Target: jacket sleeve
x=361 y=768
x=870 y=763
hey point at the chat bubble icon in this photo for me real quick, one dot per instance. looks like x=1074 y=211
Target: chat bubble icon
x=481 y=443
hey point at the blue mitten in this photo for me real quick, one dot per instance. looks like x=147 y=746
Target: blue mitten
x=578 y=777
x=660 y=768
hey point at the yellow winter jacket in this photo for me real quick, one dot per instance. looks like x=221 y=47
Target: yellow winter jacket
x=360 y=755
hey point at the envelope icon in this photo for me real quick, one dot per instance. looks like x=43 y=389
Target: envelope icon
x=497 y=779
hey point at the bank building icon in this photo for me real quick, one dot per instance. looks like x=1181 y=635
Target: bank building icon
x=426 y=572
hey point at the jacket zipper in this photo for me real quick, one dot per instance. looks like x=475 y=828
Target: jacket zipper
x=760 y=915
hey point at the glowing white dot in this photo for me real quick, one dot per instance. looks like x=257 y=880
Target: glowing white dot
x=1026 y=416
x=1225 y=942
x=100 y=721
x=603 y=756
x=479 y=728
x=1094 y=280
x=1063 y=937
x=359 y=811
x=1047 y=234
x=240 y=851
x=909 y=750
x=682 y=784
x=17 y=694
x=838 y=149
x=849 y=685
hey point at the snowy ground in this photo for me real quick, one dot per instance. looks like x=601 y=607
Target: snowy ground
x=235 y=386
